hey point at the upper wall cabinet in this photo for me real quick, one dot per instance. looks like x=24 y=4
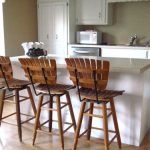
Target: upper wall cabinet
x=93 y=12
x=38 y=1
x=126 y=0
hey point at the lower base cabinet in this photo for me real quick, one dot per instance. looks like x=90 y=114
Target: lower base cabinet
x=125 y=53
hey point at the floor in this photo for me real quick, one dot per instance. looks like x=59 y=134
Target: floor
x=9 y=140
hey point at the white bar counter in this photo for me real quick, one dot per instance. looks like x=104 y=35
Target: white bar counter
x=114 y=50
x=133 y=107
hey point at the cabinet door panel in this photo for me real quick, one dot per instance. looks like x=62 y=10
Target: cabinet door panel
x=111 y=1
x=124 y=53
x=91 y=12
x=60 y=28
x=45 y=30
x=87 y=12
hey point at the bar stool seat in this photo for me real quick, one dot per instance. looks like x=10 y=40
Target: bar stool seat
x=55 y=89
x=16 y=83
x=103 y=95
x=91 y=77
x=43 y=75
x=14 y=86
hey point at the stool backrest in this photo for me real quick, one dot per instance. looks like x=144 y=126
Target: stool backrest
x=88 y=72
x=5 y=68
x=40 y=70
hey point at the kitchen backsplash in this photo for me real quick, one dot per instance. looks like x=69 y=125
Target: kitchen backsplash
x=128 y=19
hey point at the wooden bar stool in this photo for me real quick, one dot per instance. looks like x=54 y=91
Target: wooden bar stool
x=91 y=77
x=42 y=72
x=8 y=83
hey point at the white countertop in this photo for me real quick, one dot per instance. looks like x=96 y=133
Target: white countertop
x=120 y=46
x=128 y=65
x=116 y=64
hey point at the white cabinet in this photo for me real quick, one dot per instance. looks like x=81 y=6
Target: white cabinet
x=52 y=26
x=93 y=12
x=125 y=52
x=126 y=0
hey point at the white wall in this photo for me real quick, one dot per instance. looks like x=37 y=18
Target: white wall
x=2 y=47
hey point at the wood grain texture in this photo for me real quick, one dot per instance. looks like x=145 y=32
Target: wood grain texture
x=85 y=69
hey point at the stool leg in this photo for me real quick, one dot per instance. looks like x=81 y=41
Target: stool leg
x=90 y=121
x=105 y=125
x=37 y=122
x=31 y=100
x=2 y=104
x=60 y=121
x=115 y=122
x=50 y=115
x=18 y=114
x=71 y=110
x=77 y=133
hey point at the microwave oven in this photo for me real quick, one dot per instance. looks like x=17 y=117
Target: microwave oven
x=89 y=37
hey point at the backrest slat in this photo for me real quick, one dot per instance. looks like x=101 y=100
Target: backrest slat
x=88 y=65
x=71 y=65
x=105 y=74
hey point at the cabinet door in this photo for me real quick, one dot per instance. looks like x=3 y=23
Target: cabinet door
x=52 y=27
x=45 y=29
x=124 y=53
x=60 y=28
x=91 y=12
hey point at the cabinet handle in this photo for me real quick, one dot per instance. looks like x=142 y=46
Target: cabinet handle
x=99 y=14
x=56 y=36
x=82 y=52
x=147 y=54
x=47 y=36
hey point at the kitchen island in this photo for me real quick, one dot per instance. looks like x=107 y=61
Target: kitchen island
x=132 y=108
